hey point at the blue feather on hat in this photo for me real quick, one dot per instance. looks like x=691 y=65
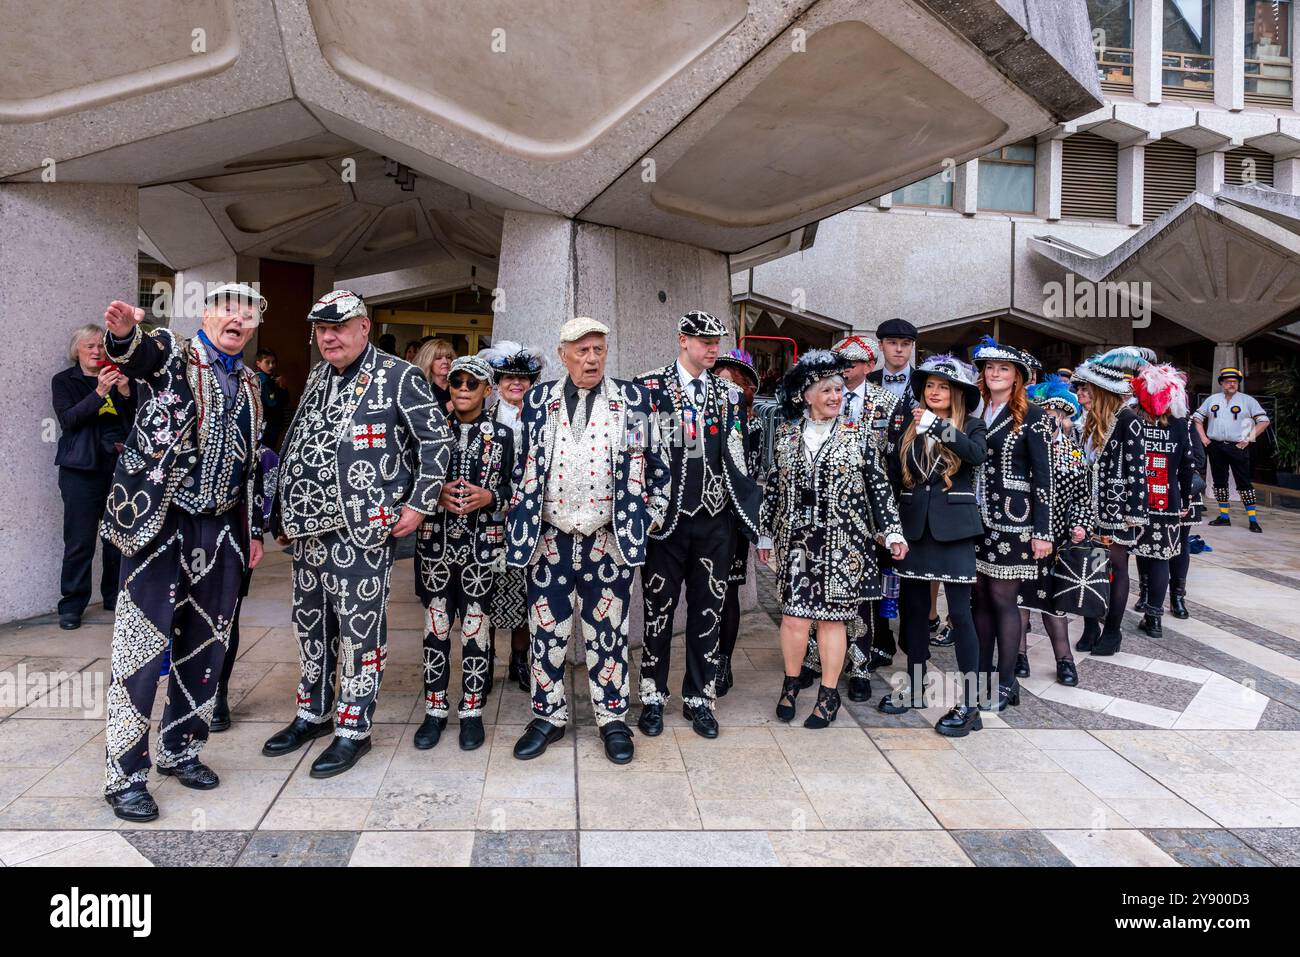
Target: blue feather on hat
x=1054 y=389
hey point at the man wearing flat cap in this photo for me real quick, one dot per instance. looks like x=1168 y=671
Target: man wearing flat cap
x=897 y=343
x=363 y=463
x=589 y=487
x=185 y=510
x=704 y=423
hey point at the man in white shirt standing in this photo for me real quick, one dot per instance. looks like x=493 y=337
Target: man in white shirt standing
x=1226 y=423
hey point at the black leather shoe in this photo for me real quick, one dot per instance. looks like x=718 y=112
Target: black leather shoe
x=1254 y=527
x=651 y=721
x=471 y=733
x=859 y=689
x=1151 y=625
x=72 y=623
x=196 y=775
x=960 y=721
x=298 y=733
x=618 y=742
x=137 y=805
x=1022 y=666
x=702 y=720
x=429 y=733
x=339 y=757
x=220 y=714
x=519 y=670
x=1220 y=522
x=808 y=677
x=1143 y=585
x=1066 y=673
x=1007 y=697
x=1091 y=632
x=536 y=737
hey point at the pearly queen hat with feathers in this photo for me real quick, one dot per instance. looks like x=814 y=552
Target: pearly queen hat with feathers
x=1113 y=370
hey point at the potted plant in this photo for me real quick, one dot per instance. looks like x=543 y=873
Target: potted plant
x=1284 y=385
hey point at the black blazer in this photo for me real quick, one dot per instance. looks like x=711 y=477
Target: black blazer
x=951 y=514
x=88 y=439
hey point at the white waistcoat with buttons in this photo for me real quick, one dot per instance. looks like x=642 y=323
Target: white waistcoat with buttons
x=579 y=496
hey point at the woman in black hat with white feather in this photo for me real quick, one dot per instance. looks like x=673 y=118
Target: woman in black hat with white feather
x=827 y=498
x=935 y=467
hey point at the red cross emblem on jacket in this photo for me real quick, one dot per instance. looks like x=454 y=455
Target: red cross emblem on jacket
x=370 y=436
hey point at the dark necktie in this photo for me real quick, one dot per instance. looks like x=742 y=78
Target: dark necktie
x=697 y=391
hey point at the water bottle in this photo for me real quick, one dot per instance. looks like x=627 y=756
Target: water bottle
x=889 y=604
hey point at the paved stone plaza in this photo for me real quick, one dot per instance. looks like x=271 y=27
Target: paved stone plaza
x=1185 y=751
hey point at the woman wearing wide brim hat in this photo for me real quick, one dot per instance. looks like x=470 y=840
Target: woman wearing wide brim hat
x=1016 y=487
x=1071 y=522
x=1114 y=435
x=939 y=455
x=827 y=499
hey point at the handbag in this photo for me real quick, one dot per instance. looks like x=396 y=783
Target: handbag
x=1081 y=580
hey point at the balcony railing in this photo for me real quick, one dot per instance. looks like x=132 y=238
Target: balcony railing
x=1189 y=75
x=1115 y=69
x=1269 y=81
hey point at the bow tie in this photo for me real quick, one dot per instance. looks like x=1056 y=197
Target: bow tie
x=895 y=376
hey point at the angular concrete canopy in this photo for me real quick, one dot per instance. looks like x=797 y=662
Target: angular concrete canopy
x=719 y=123
x=1225 y=266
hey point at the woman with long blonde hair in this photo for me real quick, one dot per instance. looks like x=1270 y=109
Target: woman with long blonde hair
x=935 y=467
x=1114 y=435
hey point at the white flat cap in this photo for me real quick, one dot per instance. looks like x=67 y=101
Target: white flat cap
x=575 y=329
x=236 y=290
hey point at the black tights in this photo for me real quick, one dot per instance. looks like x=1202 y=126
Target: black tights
x=1157 y=572
x=1179 y=564
x=914 y=600
x=997 y=622
x=1058 y=633
x=1118 y=586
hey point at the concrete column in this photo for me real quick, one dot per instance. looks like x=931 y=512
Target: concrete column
x=554 y=268
x=1230 y=53
x=1047 y=179
x=1209 y=172
x=966 y=188
x=1148 y=38
x=1286 y=175
x=1128 y=196
x=66 y=251
x=1226 y=354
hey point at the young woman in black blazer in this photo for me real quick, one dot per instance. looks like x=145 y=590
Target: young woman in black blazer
x=935 y=469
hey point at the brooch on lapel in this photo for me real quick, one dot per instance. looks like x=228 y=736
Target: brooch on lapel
x=363 y=380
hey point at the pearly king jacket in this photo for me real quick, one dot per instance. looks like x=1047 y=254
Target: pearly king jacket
x=351 y=469
x=641 y=482
x=176 y=433
x=488 y=461
x=742 y=490
x=843 y=494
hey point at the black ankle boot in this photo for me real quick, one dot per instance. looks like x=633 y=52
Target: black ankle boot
x=1091 y=632
x=1151 y=626
x=1141 y=603
x=1022 y=666
x=1108 y=643
x=220 y=713
x=785 y=705
x=824 y=712
x=1178 y=597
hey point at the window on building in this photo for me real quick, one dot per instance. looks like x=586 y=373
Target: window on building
x=1112 y=39
x=1248 y=166
x=1006 y=179
x=1169 y=177
x=1188 y=58
x=1089 y=177
x=1268 y=52
x=934 y=190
